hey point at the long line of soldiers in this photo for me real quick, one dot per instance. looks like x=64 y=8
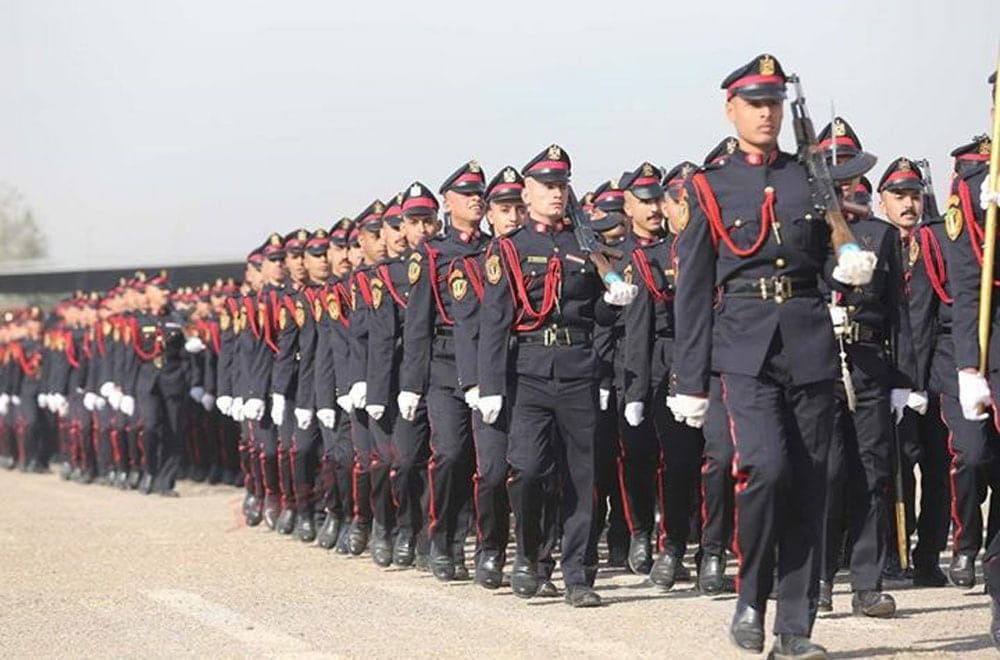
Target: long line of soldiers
x=393 y=386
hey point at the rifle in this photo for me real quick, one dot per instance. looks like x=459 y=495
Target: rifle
x=989 y=236
x=586 y=237
x=930 y=201
x=824 y=195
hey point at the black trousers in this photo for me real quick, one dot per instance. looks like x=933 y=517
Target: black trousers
x=304 y=458
x=553 y=428
x=609 y=506
x=490 y=488
x=859 y=482
x=716 y=476
x=781 y=433
x=925 y=443
x=337 y=468
x=380 y=462
x=285 y=434
x=450 y=468
x=162 y=436
x=267 y=470
x=408 y=477
x=971 y=446
x=361 y=485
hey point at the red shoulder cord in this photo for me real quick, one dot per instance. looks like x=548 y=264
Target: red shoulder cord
x=270 y=315
x=934 y=264
x=88 y=343
x=312 y=293
x=706 y=199
x=137 y=344
x=553 y=275
x=366 y=291
x=70 y=350
x=234 y=307
x=289 y=304
x=475 y=276
x=642 y=265
x=976 y=233
x=28 y=365
x=383 y=270
x=432 y=255
x=344 y=302
x=99 y=337
x=250 y=305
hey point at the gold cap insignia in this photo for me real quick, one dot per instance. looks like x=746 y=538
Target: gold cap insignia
x=555 y=153
x=399 y=198
x=839 y=127
x=647 y=169
x=984 y=146
x=509 y=175
x=474 y=166
x=275 y=240
x=321 y=233
x=766 y=65
x=687 y=170
x=903 y=165
x=303 y=235
x=379 y=206
x=613 y=184
x=415 y=190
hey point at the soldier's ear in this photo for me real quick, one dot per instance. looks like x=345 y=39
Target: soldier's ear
x=730 y=111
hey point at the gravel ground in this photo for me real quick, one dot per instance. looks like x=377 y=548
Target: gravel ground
x=93 y=572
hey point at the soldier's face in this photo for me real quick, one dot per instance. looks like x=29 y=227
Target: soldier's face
x=337 y=257
x=646 y=216
x=372 y=247
x=545 y=201
x=295 y=266
x=272 y=271
x=466 y=209
x=156 y=297
x=505 y=217
x=903 y=207
x=252 y=277
x=355 y=255
x=672 y=210
x=417 y=228
x=757 y=122
x=394 y=239
x=317 y=266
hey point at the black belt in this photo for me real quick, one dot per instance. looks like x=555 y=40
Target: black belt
x=443 y=331
x=665 y=334
x=778 y=289
x=857 y=333
x=555 y=336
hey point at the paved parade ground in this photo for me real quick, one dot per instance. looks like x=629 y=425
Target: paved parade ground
x=88 y=571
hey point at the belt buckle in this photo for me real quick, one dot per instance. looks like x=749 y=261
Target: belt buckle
x=854 y=332
x=549 y=336
x=158 y=362
x=782 y=289
x=764 y=291
x=569 y=342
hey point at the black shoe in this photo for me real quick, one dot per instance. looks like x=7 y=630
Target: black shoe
x=169 y=492
x=747 y=629
x=929 y=575
x=617 y=556
x=442 y=565
x=711 y=575
x=343 y=546
x=548 y=589
x=664 y=571
x=122 y=481
x=329 y=533
x=462 y=572
x=196 y=474
x=640 y=554
x=305 y=528
x=357 y=539
x=524 y=581
x=73 y=476
x=489 y=572
x=134 y=477
x=146 y=484
x=873 y=603
x=214 y=475
x=422 y=562
x=962 y=572
x=286 y=521
x=381 y=547
x=271 y=513
x=254 y=511
x=402 y=551
x=825 y=602
x=797 y=648
x=580 y=595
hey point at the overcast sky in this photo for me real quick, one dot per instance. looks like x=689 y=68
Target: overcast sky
x=184 y=131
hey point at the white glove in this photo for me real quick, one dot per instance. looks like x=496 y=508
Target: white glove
x=327 y=417
x=128 y=405
x=224 y=404
x=985 y=197
x=277 y=409
x=917 y=401
x=197 y=392
x=99 y=402
x=303 y=417
x=62 y=407
x=620 y=293
x=408 y=402
x=106 y=389
x=634 y=412
x=115 y=399
x=490 y=407
x=88 y=401
x=375 y=411
x=236 y=412
x=4 y=404
x=345 y=403
x=56 y=402
x=359 y=394
x=838 y=316
x=253 y=409
x=974 y=395
x=472 y=397
x=15 y=399
x=897 y=400
x=604 y=398
x=207 y=401
x=43 y=400
x=688 y=409
x=855 y=267
x=194 y=345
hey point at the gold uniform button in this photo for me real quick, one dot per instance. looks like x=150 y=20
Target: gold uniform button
x=809 y=216
x=851 y=308
x=738 y=223
x=779 y=262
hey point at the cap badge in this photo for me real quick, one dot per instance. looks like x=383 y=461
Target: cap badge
x=686 y=170
x=474 y=166
x=766 y=65
x=903 y=165
x=647 y=169
x=399 y=198
x=509 y=175
x=555 y=153
x=415 y=190
x=839 y=128
x=984 y=146
x=379 y=207
x=613 y=184
x=275 y=240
